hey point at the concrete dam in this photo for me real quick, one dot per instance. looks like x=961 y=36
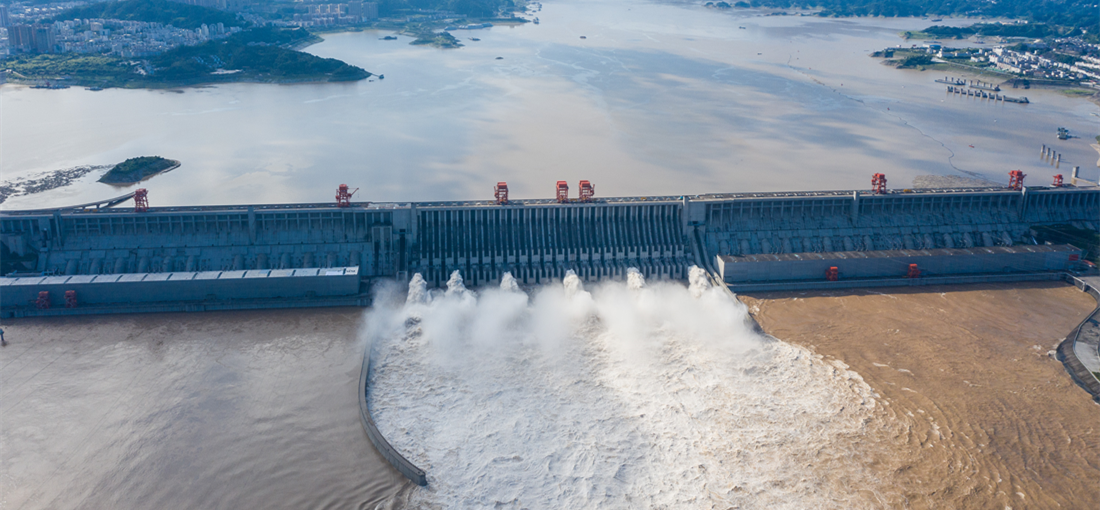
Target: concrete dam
x=112 y=258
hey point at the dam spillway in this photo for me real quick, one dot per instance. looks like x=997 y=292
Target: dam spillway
x=187 y=258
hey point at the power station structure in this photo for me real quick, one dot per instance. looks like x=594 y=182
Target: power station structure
x=116 y=259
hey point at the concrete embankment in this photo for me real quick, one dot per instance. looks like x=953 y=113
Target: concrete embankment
x=398 y=461
x=1080 y=351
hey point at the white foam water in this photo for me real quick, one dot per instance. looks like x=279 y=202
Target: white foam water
x=630 y=395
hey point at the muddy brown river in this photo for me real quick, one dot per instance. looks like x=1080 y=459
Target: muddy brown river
x=979 y=415
x=212 y=410
x=258 y=409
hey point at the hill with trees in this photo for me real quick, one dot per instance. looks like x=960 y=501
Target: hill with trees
x=165 y=12
x=259 y=54
x=262 y=54
x=1081 y=14
x=471 y=8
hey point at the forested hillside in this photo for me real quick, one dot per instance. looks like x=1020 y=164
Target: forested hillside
x=153 y=11
x=1070 y=13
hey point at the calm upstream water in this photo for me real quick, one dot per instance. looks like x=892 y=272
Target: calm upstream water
x=657 y=99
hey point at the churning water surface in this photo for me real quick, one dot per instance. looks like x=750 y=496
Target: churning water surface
x=627 y=395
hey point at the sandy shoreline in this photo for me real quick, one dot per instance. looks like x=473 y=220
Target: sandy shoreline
x=978 y=414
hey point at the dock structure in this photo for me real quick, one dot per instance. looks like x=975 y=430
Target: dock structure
x=194 y=258
x=983 y=94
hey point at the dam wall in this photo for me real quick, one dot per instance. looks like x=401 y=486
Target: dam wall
x=539 y=241
x=536 y=240
x=879 y=263
x=182 y=287
x=859 y=221
x=233 y=238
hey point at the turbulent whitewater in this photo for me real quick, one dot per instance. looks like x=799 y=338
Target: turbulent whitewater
x=625 y=395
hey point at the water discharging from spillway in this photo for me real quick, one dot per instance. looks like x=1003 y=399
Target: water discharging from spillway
x=625 y=395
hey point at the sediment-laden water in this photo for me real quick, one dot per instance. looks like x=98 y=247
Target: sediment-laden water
x=977 y=413
x=614 y=395
x=184 y=411
x=625 y=395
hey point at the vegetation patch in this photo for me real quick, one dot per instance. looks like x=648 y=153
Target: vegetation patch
x=103 y=70
x=1029 y=30
x=913 y=61
x=135 y=170
x=264 y=54
x=177 y=14
x=260 y=54
x=470 y=8
x=1077 y=17
x=1077 y=92
x=439 y=40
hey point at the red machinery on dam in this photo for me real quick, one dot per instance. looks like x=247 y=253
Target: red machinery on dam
x=120 y=259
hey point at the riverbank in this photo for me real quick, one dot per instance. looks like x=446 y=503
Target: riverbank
x=979 y=414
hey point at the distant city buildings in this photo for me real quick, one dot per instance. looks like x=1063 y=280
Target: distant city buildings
x=324 y=15
x=27 y=28
x=1033 y=63
x=1069 y=58
x=32 y=39
x=113 y=37
x=224 y=5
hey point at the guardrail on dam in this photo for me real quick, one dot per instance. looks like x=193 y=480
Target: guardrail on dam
x=536 y=240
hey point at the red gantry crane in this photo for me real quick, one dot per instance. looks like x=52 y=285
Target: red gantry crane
x=586 y=191
x=1016 y=179
x=343 y=197
x=563 y=192
x=141 y=200
x=878 y=183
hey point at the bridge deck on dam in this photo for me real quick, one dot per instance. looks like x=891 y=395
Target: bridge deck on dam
x=536 y=240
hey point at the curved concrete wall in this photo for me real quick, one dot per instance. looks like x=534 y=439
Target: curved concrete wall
x=1066 y=350
x=388 y=452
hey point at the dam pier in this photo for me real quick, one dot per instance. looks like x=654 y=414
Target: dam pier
x=111 y=258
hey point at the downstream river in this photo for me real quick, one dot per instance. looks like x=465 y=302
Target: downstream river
x=657 y=98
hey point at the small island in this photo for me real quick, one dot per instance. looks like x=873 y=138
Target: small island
x=439 y=40
x=135 y=170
